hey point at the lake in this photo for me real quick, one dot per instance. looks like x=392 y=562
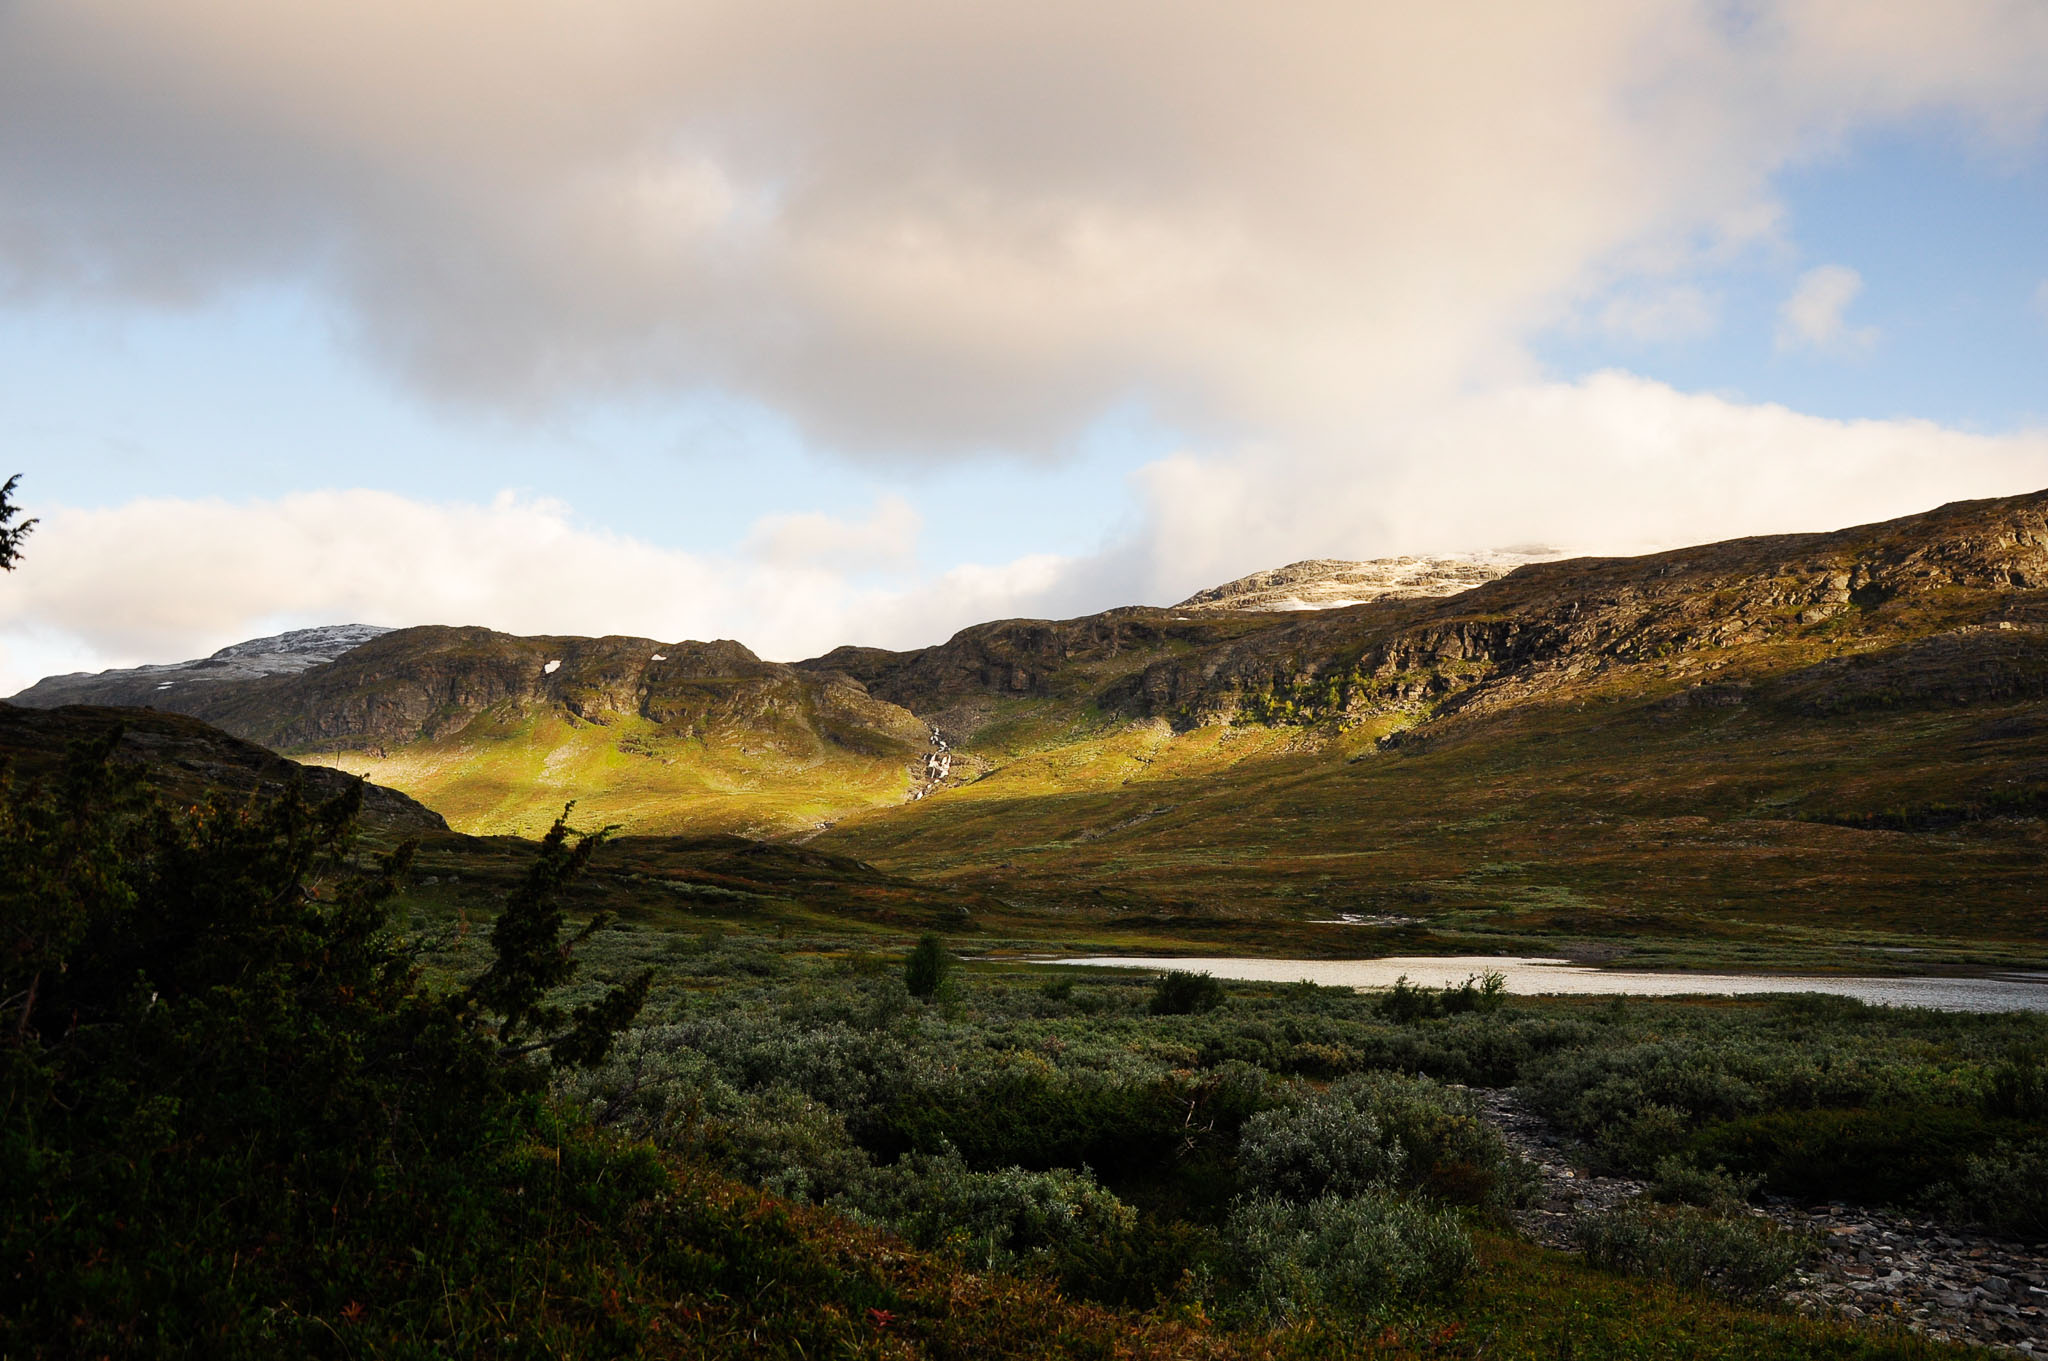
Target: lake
x=1997 y=992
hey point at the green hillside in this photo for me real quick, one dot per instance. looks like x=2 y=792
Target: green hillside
x=1758 y=743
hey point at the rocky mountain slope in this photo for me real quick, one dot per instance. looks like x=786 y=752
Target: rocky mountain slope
x=188 y=687
x=500 y=731
x=1768 y=730
x=1951 y=602
x=1328 y=583
x=1782 y=735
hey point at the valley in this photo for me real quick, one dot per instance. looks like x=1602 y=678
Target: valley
x=1749 y=752
x=1822 y=757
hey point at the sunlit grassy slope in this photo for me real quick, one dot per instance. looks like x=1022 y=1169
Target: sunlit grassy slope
x=1613 y=818
x=648 y=779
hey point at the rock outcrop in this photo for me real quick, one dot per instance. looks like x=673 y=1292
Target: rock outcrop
x=1963 y=590
x=434 y=682
x=1329 y=583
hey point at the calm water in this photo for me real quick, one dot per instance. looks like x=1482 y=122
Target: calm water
x=2000 y=992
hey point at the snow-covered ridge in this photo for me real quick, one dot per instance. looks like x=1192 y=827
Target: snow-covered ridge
x=1331 y=583
x=280 y=654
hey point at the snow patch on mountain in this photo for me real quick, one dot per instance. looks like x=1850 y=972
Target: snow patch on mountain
x=281 y=654
x=1333 y=583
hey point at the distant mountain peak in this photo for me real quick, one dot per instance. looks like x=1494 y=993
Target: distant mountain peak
x=324 y=642
x=1332 y=583
x=280 y=654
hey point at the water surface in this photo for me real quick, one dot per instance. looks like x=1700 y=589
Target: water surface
x=1998 y=992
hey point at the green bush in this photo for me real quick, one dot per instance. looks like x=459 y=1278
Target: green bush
x=1635 y=1141
x=1741 y=1256
x=1886 y=1154
x=1680 y=1181
x=1405 y=1002
x=1342 y=1255
x=926 y=968
x=1449 y=1151
x=1180 y=993
x=1323 y=1146
x=2018 y=1088
x=2005 y=1189
x=999 y=1219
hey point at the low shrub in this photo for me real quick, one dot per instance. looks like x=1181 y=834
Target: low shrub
x=1325 y=1146
x=2005 y=1189
x=1885 y=1154
x=1449 y=1150
x=1373 y=1130
x=1355 y=1255
x=1001 y=1219
x=1739 y=1256
x=2018 y=1088
x=1180 y=993
x=1681 y=1181
x=1638 y=1140
x=1405 y=1002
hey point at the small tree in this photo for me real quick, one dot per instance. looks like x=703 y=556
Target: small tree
x=926 y=968
x=532 y=959
x=1180 y=993
x=11 y=535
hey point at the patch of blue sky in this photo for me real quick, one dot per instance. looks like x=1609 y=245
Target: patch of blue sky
x=1951 y=322
x=254 y=397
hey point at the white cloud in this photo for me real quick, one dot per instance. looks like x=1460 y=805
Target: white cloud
x=162 y=580
x=1811 y=318
x=2041 y=300
x=886 y=538
x=917 y=226
x=1679 y=312
x=1614 y=464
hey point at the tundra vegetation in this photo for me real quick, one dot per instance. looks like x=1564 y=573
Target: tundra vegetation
x=261 y=1098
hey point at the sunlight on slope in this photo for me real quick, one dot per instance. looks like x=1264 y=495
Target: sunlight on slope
x=631 y=772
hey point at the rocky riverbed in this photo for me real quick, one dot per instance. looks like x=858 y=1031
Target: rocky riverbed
x=1891 y=1269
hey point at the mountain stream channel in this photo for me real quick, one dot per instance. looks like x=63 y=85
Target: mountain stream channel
x=1887 y=1268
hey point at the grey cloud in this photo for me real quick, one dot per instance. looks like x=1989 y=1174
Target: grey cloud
x=919 y=227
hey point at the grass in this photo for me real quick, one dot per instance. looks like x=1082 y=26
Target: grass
x=648 y=779
x=1626 y=826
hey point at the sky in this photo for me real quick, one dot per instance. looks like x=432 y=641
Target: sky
x=805 y=324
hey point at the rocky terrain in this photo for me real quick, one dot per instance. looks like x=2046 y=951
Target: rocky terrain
x=1330 y=583
x=1929 y=613
x=1952 y=601
x=187 y=687
x=395 y=687
x=1940 y=1280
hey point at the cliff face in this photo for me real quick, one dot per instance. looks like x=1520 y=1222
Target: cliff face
x=433 y=683
x=1788 y=605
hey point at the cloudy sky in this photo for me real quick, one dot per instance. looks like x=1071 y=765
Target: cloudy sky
x=807 y=323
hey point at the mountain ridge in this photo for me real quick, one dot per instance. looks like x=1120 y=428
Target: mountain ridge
x=1945 y=608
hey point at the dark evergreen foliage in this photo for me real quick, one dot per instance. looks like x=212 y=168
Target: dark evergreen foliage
x=926 y=968
x=227 y=1105
x=1180 y=993
x=11 y=535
